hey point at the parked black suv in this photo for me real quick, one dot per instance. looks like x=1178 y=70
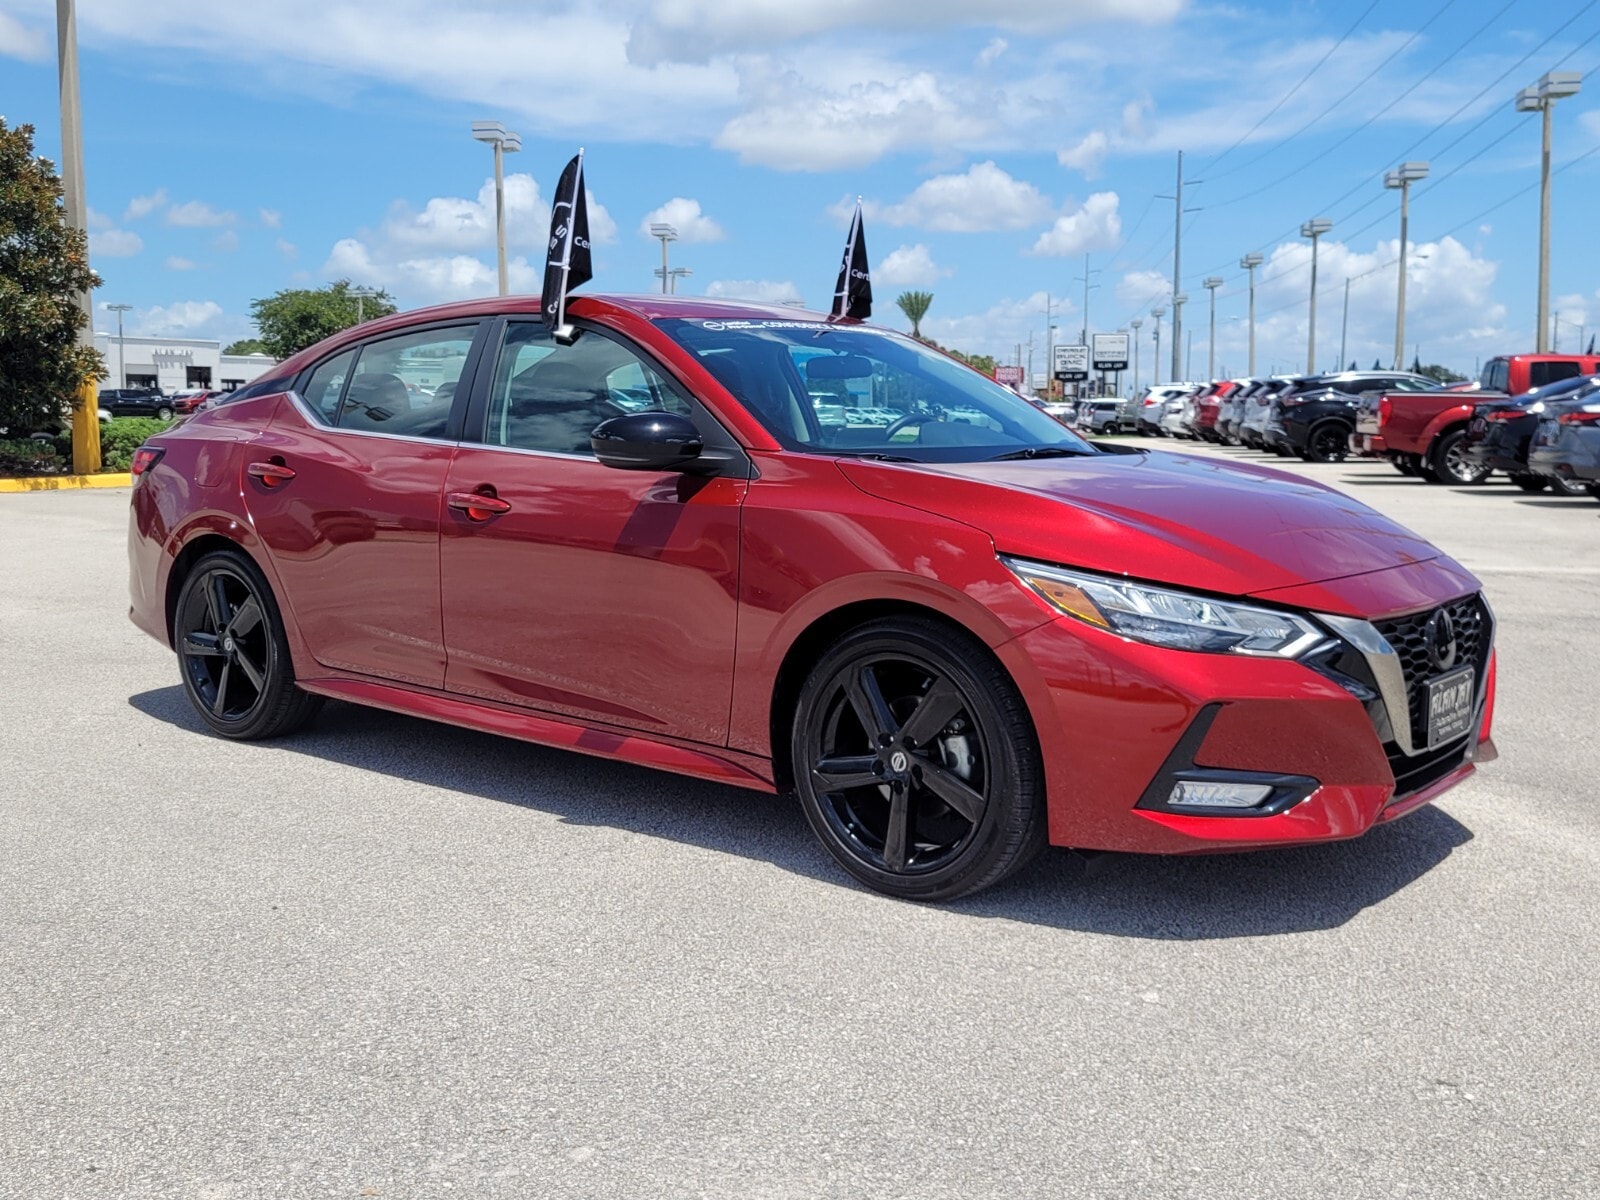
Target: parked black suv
x=1319 y=412
x=1501 y=431
x=136 y=402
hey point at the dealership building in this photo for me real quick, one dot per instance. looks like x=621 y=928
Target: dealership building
x=176 y=364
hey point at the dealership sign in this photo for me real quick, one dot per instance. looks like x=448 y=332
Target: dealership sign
x=1070 y=363
x=1010 y=376
x=1110 y=352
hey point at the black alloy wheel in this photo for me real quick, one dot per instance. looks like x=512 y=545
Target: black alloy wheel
x=916 y=762
x=1531 y=483
x=1452 y=466
x=233 y=653
x=1327 y=443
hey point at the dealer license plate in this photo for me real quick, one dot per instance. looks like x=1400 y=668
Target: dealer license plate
x=1450 y=706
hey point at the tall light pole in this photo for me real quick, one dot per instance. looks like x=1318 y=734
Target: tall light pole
x=677 y=273
x=1049 y=347
x=1211 y=283
x=1402 y=177
x=122 y=369
x=1344 y=324
x=504 y=142
x=1250 y=262
x=667 y=233
x=1135 y=325
x=361 y=294
x=85 y=423
x=1157 y=313
x=1313 y=229
x=1540 y=98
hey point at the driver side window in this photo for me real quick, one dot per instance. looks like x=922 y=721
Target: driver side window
x=549 y=397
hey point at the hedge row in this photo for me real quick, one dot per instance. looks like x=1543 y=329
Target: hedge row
x=119 y=438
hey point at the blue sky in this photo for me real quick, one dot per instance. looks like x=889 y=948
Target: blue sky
x=233 y=150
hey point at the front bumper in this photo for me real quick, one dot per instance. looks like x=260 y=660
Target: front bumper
x=1148 y=713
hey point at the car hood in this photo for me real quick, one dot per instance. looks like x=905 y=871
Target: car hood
x=1168 y=518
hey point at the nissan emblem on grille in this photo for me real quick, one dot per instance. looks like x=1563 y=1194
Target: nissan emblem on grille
x=1442 y=646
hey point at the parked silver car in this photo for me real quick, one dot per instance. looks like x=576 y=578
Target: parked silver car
x=1566 y=443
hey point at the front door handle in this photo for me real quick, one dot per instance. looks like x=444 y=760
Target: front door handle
x=271 y=473
x=479 y=506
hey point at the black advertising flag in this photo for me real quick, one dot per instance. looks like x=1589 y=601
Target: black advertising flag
x=852 y=295
x=568 y=263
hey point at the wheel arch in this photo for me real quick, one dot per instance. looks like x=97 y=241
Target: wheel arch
x=204 y=542
x=813 y=641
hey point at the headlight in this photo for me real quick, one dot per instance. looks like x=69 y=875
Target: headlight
x=1162 y=617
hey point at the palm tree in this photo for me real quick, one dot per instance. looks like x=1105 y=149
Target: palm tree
x=915 y=306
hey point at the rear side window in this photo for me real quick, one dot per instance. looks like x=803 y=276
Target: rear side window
x=1542 y=373
x=1497 y=376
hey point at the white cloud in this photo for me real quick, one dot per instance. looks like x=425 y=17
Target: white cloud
x=186 y=318
x=1087 y=155
x=694 y=30
x=685 y=216
x=197 y=214
x=1095 y=226
x=174 y=263
x=227 y=241
x=765 y=291
x=796 y=125
x=143 y=206
x=455 y=223
x=426 y=279
x=97 y=220
x=1002 y=328
x=1143 y=290
x=286 y=248
x=271 y=218
x=992 y=51
x=114 y=243
x=908 y=265
x=983 y=199
x=20 y=41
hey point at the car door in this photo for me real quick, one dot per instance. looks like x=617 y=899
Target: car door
x=344 y=490
x=573 y=587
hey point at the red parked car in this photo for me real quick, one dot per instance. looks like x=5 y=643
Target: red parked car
x=957 y=630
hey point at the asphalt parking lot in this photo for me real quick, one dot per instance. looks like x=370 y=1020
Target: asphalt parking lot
x=387 y=958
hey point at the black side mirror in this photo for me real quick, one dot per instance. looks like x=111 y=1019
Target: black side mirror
x=647 y=441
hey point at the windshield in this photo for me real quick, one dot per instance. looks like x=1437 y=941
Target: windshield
x=852 y=389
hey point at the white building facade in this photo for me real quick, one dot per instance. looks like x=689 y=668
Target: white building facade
x=177 y=364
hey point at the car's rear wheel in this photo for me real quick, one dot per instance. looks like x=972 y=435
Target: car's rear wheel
x=164 y=413
x=1451 y=465
x=1328 y=443
x=1530 y=483
x=916 y=762
x=1563 y=486
x=233 y=653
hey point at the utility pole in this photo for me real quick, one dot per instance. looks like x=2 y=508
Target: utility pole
x=1049 y=348
x=86 y=410
x=1344 y=325
x=1250 y=262
x=1157 y=313
x=1084 y=279
x=1178 y=298
x=1135 y=325
x=1211 y=283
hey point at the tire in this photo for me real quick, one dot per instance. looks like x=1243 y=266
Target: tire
x=164 y=413
x=232 y=652
x=1530 y=483
x=968 y=770
x=1448 y=463
x=1328 y=442
x=1404 y=465
x=1562 y=486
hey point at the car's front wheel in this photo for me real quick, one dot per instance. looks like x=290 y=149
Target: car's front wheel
x=1328 y=443
x=916 y=762
x=233 y=652
x=1561 y=485
x=164 y=413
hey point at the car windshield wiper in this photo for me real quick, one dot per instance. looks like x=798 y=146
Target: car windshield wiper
x=1043 y=452
x=875 y=455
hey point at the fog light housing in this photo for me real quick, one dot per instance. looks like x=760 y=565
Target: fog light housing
x=1191 y=793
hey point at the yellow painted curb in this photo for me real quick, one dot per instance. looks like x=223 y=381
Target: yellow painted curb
x=56 y=483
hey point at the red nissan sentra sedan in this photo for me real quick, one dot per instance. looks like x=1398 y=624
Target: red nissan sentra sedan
x=748 y=544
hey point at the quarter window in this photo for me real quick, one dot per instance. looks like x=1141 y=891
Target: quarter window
x=549 y=397
x=326 y=385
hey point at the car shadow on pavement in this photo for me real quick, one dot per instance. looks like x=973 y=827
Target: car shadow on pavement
x=1119 y=895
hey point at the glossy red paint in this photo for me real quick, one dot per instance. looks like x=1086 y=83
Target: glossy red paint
x=665 y=619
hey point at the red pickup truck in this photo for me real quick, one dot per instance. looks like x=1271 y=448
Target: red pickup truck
x=1424 y=433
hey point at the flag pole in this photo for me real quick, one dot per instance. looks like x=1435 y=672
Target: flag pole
x=563 y=331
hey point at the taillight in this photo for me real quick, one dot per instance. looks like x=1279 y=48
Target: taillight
x=144 y=458
x=1385 y=407
x=1504 y=414
x=1589 y=414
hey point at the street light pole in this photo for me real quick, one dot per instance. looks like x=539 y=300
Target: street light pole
x=1157 y=313
x=1541 y=98
x=1313 y=229
x=1250 y=262
x=122 y=367
x=1135 y=325
x=1211 y=283
x=361 y=294
x=1344 y=325
x=1402 y=177
x=85 y=410
x=504 y=142
x=667 y=233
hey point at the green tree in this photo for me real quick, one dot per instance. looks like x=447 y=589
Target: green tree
x=978 y=362
x=1435 y=372
x=296 y=318
x=246 y=346
x=44 y=266
x=915 y=306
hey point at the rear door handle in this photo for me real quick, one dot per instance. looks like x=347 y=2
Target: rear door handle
x=479 y=506
x=271 y=473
